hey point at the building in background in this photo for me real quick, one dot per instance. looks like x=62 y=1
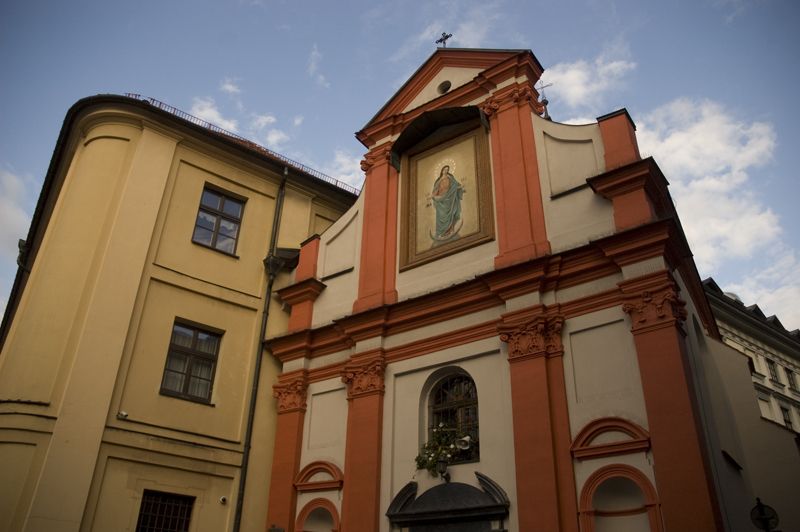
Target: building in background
x=504 y=331
x=131 y=338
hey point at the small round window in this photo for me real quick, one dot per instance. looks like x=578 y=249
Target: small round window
x=443 y=87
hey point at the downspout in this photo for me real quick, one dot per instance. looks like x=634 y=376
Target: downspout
x=272 y=265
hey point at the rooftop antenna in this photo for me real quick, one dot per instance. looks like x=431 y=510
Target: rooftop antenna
x=443 y=39
x=544 y=101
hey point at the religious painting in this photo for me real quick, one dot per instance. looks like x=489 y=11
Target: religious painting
x=446 y=198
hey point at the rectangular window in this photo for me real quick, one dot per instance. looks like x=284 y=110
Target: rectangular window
x=164 y=512
x=791 y=378
x=191 y=361
x=787 y=417
x=218 y=221
x=773 y=370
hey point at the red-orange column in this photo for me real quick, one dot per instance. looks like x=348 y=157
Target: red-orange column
x=376 y=282
x=291 y=395
x=683 y=478
x=520 y=214
x=362 y=459
x=619 y=139
x=544 y=471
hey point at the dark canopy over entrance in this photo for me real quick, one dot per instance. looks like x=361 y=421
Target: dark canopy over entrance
x=452 y=506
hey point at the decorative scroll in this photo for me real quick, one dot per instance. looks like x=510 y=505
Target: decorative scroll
x=375 y=156
x=291 y=395
x=655 y=308
x=364 y=378
x=540 y=336
x=519 y=95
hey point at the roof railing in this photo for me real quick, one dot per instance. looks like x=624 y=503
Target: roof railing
x=246 y=142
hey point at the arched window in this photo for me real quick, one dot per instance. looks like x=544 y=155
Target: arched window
x=453 y=408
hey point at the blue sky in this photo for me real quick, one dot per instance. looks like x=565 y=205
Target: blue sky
x=710 y=84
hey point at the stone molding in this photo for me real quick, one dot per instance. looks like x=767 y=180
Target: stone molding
x=291 y=393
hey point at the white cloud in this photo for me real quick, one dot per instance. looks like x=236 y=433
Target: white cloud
x=261 y=121
x=314 y=59
x=776 y=288
x=707 y=154
x=275 y=139
x=298 y=120
x=472 y=25
x=345 y=167
x=15 y=191
x=585 y=84
x=229 y=86
x=206 y=109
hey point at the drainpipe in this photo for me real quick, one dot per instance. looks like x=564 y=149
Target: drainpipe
x=272 y=264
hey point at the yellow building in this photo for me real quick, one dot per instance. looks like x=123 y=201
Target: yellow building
x=130 y=346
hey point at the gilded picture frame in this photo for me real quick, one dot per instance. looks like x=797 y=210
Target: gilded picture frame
x=446 y=202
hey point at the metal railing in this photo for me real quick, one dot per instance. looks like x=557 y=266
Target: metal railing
x=246 y=142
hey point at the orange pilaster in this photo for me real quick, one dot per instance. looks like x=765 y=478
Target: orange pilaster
x=307 y=264
x=683 y=479
x=362 y=460
x=376 y=282
x=619 y=139
x=291 y=395
x=521 y=229
x=544 y=471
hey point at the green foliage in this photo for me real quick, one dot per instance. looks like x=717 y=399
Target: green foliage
x=440 y=445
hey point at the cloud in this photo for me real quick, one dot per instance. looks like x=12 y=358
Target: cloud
x=15 y=192
x=261 y=121
x=275 y=139
x=472 y=25
x=708 y=154
x=229 y=86
x=314 y=59
x=206 y=109
x=776 y=288
x=585 y=84
x=298 y=120
x=345 y=167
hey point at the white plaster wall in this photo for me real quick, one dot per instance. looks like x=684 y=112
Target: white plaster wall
x=404 y=425
x=325 y=423
x=339 y=251
x=601 y=370
x=566 y=156
x=457 y=77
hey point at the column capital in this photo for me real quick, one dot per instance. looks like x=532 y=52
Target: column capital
x=540 y=336
x=290 y=391
x=514 y=96
x=364 y=376
x=652 y=302
x=376 y=155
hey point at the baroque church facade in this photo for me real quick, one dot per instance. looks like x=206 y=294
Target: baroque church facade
x=505 y=330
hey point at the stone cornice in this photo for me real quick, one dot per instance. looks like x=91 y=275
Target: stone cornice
x=306 y=290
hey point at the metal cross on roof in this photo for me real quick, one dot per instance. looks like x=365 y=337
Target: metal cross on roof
x=443 y=39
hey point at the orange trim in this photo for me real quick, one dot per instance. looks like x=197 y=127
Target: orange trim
x=313 y=505
x=303 y=480
x=309 y=255
x=362 y=455
x=521 y=230
x=544 y=471
x=596 y=479
x=583 y=448
x=301 y=297
x=376 y=282
x=290 y=391
x=687 y=493
x=391 y=120
x=619 y=139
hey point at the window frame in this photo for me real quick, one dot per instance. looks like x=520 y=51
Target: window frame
x=164 y=501
x=472 y=428
x=220 y=215
x=772 y=369
x=786 y=414
x=791 y=378
x=192 y=355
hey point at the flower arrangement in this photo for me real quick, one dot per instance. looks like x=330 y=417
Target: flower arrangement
x=440 y=446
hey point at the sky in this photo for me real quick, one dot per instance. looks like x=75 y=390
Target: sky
x=710 y=84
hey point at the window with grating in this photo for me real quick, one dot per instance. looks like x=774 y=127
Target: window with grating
x=454 y=407
x=164 y=512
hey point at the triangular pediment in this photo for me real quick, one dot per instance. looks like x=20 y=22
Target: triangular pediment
x=459 y=67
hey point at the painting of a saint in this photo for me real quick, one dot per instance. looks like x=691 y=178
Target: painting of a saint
x=446 y=197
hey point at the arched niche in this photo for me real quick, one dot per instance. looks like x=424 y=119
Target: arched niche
x=619 y=498
x=319 y=515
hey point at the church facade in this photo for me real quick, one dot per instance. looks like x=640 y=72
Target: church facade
x=505 y=332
